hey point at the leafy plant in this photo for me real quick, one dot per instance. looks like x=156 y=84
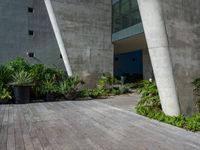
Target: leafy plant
x=193 y=123
x=118 y=90
x=38 y=72
x=18 y=65
x=115 y=91
x=189 y=123
x=196 y=83
x=49 y=87
x=106 y=81
x=149 y=94
x=42 y=74
x=84 y=93
x=5 y=74
x=54 y=74
x=93 y=93
x=69 y=87
x=150 y=106
x=134 y=85
x=22 y=78
x=5 y=94
x=97 y=93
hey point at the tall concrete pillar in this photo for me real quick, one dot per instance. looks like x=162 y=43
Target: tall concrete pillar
x=156 y=36
x=147 y=67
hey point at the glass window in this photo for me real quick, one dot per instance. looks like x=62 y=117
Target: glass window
x=116 y=17
x=125 y=14
x=125 y=10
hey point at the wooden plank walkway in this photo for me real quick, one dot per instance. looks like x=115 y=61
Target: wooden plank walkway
x=86 y=125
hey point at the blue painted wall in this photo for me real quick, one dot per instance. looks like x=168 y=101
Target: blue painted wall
x=128 y=63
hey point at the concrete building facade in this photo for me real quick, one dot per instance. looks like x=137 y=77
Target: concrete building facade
x=25 y=27
x=90 y=33
x=172 y=28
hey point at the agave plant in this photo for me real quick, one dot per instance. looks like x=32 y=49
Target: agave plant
x=22 y=78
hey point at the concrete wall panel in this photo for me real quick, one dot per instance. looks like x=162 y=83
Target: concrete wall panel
x=86 y=31
x=14 y=39
x=183 y=29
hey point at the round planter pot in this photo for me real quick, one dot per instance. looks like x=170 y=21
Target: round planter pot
x=5 y=101
x=21 y=94
x=49 y=97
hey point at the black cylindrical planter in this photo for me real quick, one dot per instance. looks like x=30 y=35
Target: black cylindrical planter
x=49 y=97
x=4 y=101
x=22 y=94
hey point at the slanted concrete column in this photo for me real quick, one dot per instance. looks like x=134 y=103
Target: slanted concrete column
x=147 y=67
x=58 y=36
x=155 y=32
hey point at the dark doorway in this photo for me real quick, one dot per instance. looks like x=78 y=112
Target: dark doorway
x=129 y=65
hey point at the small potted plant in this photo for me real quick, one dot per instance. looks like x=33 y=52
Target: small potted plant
x=21 y=82
x=49 y=88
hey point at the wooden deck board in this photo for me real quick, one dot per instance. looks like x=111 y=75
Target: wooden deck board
x=86 y=125
x=4 y=131
x=11 y=129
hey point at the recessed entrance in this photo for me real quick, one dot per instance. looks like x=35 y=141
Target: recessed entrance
x=129 y=64
x=131 y=58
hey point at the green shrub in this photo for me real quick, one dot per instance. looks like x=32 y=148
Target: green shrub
x=188 y=123
x=118 y=90
x=54 y=74
x=124 y=90
x=43 y=76
x=196 y=83
x=5 y=94
x=193 y=123
x=17 y=65
x=149 y=94
x=115 y=91
x=150 y=106
x=5 y=74
x=93 y=93
x=69 y=87
x=108 y=85
x=84 y=93
x=134 y=85
x=106 y=81
x=98 y=93
x=49 y=87
x=38 y=72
